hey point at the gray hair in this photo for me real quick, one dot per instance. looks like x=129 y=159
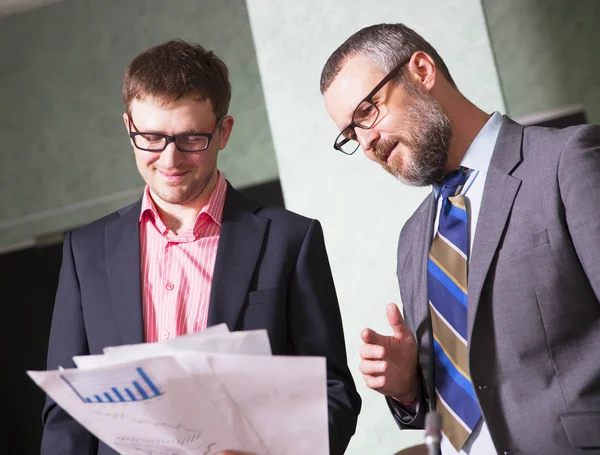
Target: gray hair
x=386 y=45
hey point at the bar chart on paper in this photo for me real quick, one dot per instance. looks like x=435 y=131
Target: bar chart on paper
x=116 y=385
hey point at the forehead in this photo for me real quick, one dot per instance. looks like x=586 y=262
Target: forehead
x=355 y=80
x=154 y=114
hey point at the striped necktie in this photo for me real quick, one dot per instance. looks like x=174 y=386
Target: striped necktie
x=447 y=288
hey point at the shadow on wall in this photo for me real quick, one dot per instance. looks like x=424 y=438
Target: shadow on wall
x=30 y=277
x=546 y=53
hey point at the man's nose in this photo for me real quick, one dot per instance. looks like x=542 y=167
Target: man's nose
x=366 y=138
x=170 y=157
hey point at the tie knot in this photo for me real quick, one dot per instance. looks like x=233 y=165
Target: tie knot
x=452 y=183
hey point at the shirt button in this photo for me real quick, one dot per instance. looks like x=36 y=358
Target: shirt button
x=165 y=335
x=170 y=286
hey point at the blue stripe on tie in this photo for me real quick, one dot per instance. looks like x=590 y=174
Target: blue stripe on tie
x=452 y=311
x=458 y=213
x=454 y=394
x=444 y=302
x=452 y=371
x=447 y=282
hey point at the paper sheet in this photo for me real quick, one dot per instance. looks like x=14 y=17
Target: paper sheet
x=199 y=394
x=254 y=342
x=152 y=406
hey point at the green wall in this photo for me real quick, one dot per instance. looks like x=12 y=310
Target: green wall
x=547 y=53
x=65 y=157
x=361 y=207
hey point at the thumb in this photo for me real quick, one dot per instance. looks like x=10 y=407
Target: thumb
x=395 y=319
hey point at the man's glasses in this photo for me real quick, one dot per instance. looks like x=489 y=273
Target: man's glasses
x=157 y=142
x=365 y=115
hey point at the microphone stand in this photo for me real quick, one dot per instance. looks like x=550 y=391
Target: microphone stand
x=433 y=433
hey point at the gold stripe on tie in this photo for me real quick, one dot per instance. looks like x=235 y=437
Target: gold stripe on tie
x=454 y=265
x=452 y=345
x=450 y=261
x=453 y=429
x=458 y=201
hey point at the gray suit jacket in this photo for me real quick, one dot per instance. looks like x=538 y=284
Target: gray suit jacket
x=534 y=287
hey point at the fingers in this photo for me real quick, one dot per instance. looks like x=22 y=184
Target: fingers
x=372 y=337
x=375 y=382
x=395 y=319
x=373 y=367
x=372 y=352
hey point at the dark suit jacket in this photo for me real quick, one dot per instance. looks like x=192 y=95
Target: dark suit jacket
x=271 y=272
x=534 y=287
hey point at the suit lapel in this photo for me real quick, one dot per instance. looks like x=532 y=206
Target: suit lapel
x=122 y=249
x=240 y=243
x=422 y=244
x=499 y=193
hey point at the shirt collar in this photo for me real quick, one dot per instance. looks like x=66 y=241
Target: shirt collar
x=214 y=209
x=479 y=154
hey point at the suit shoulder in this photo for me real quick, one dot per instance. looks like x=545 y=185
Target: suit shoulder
x=556 y=138
x=415 y=219
x=284 y=216
x=91 y=230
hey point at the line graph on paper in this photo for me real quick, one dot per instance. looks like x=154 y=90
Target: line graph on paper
x=117 y=385
x=180 y=439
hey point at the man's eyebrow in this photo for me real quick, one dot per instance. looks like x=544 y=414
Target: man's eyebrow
x=189 y=131
x=151 y=131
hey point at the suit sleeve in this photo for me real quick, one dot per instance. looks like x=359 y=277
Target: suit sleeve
x=412 y=418
x=316 y=329
x=578 y=171
x=61 y=433
x=409 y=418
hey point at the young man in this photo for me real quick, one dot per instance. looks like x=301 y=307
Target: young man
x=514 y=366
x=192 y=252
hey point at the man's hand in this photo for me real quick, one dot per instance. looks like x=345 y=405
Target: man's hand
x=389 y=363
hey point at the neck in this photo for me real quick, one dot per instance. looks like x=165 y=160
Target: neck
x=467 y=121
x=183 y=216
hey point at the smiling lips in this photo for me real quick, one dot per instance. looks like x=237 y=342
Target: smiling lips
x=384 y=154
x=172 y=176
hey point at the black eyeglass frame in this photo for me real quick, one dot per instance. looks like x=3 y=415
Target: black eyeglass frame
x=169 y=139
x=341 y=139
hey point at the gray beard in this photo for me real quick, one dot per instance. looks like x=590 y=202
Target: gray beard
x=426 y=142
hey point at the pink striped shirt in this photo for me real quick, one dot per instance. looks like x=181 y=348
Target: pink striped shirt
x=177 y=269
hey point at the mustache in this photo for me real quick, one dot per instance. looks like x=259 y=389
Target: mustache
x=383 y=148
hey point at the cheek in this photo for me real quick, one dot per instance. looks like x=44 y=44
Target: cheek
x=145 y=160
x=201 y=160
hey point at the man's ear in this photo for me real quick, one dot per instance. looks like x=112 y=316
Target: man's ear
x=226 y=127
x=126 y=120
x=422 y=70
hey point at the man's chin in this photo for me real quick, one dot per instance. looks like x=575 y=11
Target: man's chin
x=172 y=197
x=411 y=180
